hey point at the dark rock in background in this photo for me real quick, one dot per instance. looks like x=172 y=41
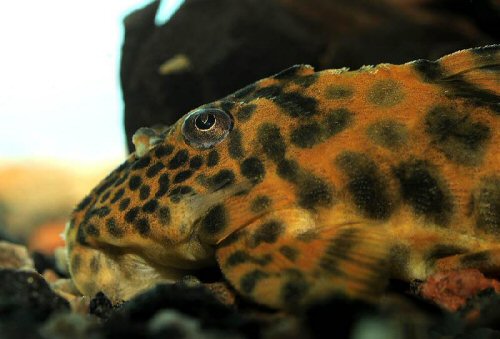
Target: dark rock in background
x=192 y=302
x=211 y=48
x=26 y=301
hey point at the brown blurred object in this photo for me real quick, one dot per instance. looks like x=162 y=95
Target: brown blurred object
x=35 y=193
x=211 y=48
x=47 y=237
x=452 y=289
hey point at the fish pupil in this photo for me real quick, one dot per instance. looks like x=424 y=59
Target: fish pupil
x=204 y=121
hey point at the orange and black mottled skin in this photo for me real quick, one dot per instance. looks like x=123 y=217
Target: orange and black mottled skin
x=327 y=182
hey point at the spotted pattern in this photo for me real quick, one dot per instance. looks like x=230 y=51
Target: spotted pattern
x=385 y=93
x=310 y=134
x=336 y=251
x=267 y=201
x=113 y=228
x=212 y=158
x=366 y=184
x=249 y=281
x=297 y=105
x=179 y=159
x=289 y=252
x=388 y=133
x=461 y=139
x=246 y=112
x=295 y=288
x=273 y=144
x=253 y=169
x=215 y=220
x=260 y=204
x=457 y=87
x=423 y=188
x=235 y=145
x=268 y=232
x=336 y=92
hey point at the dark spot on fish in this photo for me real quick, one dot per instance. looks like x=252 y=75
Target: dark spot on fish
x=425 y=191
x=100 y=212
x=131 y=214
x=215 y=221
x=177 y=193
x=144 y=192
x=117 y=196
x=226 y=106
x=289 y=252
x=105 y=196
x=163 y=185
x=272 y=142
x=253 y=169
x=84 y=203
x=388 y=133
x=235 y=145
x=196 y=162
x=164 y=150
x=336 y=92
x=154 y=169
x=179 y=159
x=306 y=135
x=297 y=105
x=430 y=71
x=150 y=206
x=250 y=280
x=92 y=230
x=336 y=121
x=313 y=192
x=141 y=163
x=367 y=185
x=142 y=226
x=182 y=176
x=223 y=178
x=240 y=257
x=113 y=228
x=164 y=214
x=212 y=158
x=246 y=112
x=260 y=204
x=338 y=250
x=124 y=204
x=294 y=289
x=385 y=93
x=288 y=170
x=459 y=138
x=134 y=182
x=237 y=258
x=267 y=233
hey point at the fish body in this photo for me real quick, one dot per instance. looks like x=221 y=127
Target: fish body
x=306 y=184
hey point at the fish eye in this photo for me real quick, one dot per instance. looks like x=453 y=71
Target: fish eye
x=206 y=127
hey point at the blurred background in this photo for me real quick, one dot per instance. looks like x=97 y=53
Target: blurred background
x=61 y=108
x=78 y=78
